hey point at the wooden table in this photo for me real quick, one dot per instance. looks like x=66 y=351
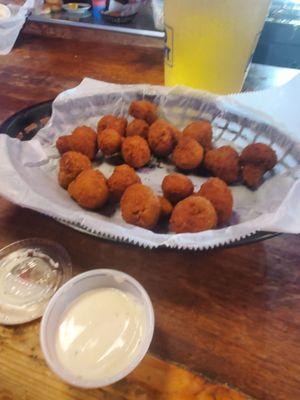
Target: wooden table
x=232 y=315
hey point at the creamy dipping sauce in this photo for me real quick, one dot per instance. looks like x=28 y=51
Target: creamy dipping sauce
x=100 y=333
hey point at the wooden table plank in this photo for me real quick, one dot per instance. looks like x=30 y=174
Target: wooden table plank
x=230 y=314
x=24 y=374
x=38 y=69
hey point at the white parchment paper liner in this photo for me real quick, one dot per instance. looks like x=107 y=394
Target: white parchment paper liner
x=28 y=170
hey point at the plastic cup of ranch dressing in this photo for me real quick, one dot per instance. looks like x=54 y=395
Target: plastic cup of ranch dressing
x=97 y=328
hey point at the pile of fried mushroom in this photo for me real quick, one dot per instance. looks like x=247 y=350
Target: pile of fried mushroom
x=137 y=142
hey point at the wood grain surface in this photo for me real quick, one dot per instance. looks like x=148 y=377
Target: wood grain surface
x=39 y=68
x=22 y=362
x=91 y=35
x=232 y=315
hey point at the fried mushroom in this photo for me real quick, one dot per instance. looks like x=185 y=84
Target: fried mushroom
x=135 y=151
x=177 y=187
x=256 y=159
x=200 y=131
x=162 y=138
x=143 y=109
x=223 y=163
x=193 y=214
x=188 y=154
x=89 y=189
x=71 y=164
x=219 y=194
x=122 y=177
x=140 y=206
x=109 y=141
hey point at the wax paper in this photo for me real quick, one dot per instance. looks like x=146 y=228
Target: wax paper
x=28 y=171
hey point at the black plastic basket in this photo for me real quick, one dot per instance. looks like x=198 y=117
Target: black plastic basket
x=26 y=123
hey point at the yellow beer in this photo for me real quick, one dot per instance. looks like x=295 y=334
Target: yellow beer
x=209 y=43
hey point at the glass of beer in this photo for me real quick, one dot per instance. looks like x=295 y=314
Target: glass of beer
x=210 y=43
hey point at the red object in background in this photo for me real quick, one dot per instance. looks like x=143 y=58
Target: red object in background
x=100 y=4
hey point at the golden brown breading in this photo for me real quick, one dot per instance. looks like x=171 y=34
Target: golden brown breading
x=135 y=151
x=89 y=189
x=105 y=122
x=120 y=125
x=178 y=135
x=259 y=154
x=219 y=194
x=70 y=165
x=223 y=163
x=83 y=140
x=177 y=187
x=200 y=131
x=256 y=159
x=166 y=207
x=193 y=214
x=140 y=206
x=143 y=109
x=63 y=144
x=188 y=154
x=110 y=121
x=252 y=176
x=138 y=127
x=162 y=137
x=122 y=177
x=109 y=141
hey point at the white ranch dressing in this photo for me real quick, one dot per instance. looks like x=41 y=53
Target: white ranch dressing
x=100 y=333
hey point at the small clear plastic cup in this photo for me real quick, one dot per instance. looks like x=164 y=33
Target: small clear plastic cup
x=31 y=271
x=67 y=294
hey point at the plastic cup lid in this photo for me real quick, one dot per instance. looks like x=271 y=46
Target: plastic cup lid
x=4 y=12
x=64 y=298
x=31 y=271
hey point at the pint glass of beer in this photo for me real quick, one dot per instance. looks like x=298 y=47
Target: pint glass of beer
x=209 y=43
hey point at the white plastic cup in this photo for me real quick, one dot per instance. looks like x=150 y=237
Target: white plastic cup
x=67 y=294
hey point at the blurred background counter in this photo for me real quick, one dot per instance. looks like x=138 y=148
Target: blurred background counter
x=279 y=44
